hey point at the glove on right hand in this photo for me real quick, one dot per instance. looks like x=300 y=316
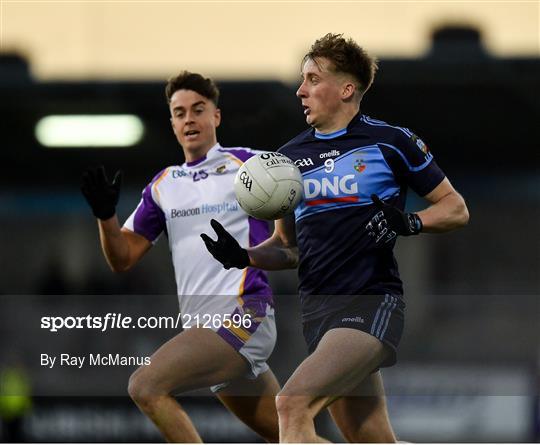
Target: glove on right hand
x=226 y=249
x=101 y=195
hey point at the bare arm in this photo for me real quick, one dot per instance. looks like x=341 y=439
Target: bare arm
x=122 y=248
x=447 y=211
x=279 y=251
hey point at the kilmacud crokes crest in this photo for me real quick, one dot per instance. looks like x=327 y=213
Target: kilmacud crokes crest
x=221 y=169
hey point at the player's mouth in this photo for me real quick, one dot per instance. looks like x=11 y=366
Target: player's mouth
x=191 y=134
x=307 y=110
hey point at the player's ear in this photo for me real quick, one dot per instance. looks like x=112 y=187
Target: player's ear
x=217 y=117
x=348 y=91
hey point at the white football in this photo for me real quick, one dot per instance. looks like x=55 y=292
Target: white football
x=268 y=186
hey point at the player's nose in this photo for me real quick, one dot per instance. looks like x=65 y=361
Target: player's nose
x=301 y=91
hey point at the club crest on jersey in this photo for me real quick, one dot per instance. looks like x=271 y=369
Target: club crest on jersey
x=359 y=165
x=420 y=144
x=221 y=169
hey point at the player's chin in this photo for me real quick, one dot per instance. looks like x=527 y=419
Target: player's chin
x=191 y=145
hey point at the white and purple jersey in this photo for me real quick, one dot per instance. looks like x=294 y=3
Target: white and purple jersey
x=180 y=201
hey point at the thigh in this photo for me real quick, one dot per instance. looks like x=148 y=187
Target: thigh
x=253 y=402
x=361 y=415
x=341 y=361
x=195 y=358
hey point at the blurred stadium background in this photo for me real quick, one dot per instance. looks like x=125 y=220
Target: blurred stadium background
x=465 y=76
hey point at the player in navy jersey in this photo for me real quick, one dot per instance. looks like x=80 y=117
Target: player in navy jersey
x=227 y=315
x=356 y=173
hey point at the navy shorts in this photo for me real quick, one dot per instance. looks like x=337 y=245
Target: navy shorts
x=379 y=315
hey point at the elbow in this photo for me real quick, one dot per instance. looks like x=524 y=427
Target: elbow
x=119 y=268
x=293 y=264
x=465 y=217
x=462 y=214
x=293 y=257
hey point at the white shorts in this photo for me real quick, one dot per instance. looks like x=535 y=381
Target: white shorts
x=251 y=330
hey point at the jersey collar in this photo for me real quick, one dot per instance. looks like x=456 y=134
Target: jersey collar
x=204 y=158
x=332 y=135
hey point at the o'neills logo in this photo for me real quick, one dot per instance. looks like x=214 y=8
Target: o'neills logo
x=352 y=320
x=329 y=154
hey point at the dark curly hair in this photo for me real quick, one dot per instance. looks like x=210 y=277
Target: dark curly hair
x=194 y=82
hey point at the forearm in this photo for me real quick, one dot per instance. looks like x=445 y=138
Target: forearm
x=449 y=213
x=114 y=244
x=272 y=254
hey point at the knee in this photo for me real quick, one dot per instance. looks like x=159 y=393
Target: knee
x=283 y=404
x=290 y=405
x=142 y=391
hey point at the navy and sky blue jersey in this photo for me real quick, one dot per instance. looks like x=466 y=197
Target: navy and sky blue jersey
x=338 y=259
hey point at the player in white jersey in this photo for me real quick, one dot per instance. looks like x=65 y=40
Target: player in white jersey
x=229 y=328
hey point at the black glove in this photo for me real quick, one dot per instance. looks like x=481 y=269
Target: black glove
x=225 y=249
x=101 y=194
x=390 y=221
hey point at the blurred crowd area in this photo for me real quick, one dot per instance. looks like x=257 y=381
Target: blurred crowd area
x=473 y=297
